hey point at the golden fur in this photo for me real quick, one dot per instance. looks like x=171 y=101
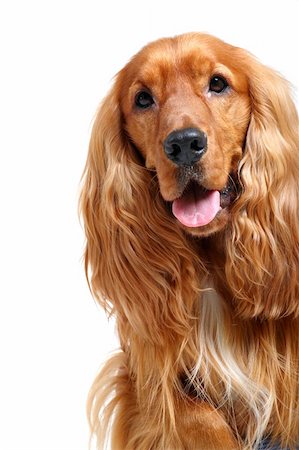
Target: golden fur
x=207 y=317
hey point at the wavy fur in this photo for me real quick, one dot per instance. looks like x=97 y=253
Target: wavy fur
x=208 y=322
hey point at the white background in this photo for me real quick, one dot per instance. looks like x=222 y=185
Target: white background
x=57 y=60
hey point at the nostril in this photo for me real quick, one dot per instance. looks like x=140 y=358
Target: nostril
x=172 y=149
x=195 y=145
x=199 y=144
x=176 y=149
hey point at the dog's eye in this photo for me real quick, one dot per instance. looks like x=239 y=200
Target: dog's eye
x=144 y=100
x=218 y=84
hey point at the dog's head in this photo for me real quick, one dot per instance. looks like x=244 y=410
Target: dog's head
x=185 y=105
x=197 y=136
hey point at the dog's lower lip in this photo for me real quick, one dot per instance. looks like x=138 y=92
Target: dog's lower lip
x=228 y=194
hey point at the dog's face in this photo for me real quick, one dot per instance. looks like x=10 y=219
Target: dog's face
x=186 y=108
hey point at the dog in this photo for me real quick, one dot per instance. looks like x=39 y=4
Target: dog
x=190 y=202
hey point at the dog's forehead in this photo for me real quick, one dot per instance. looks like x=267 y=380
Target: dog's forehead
x=193 y=55
x=170 y=59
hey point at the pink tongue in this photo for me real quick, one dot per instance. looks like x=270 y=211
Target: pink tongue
x=194 y=210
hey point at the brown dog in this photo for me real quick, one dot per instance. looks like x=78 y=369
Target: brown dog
x=191 y=209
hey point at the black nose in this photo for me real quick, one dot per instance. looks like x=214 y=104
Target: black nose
x=185 y=147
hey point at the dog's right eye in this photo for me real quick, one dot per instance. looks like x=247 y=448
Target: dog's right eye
x=144 y=100
x=218 y=84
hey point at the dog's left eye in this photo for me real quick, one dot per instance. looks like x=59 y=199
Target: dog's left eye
x=144 y=100
x=218 y=84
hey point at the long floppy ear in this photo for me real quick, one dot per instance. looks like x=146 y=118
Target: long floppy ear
x=136 y=260
x=263 y=247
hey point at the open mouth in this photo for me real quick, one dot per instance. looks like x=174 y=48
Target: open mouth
x=198 y=206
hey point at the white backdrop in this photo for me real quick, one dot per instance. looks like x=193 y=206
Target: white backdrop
x=57 y=60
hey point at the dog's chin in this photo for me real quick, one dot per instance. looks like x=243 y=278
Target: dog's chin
x=201 y=212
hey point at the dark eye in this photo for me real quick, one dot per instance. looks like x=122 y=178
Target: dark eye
x=218 y=84
x=144 y=100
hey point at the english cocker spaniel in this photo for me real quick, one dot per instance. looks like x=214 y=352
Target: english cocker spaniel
x=190 y=202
